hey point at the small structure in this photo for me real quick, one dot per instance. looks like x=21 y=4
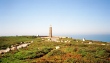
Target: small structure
x=57 y=47
x=103 y=44
x=37 y=35
x=84 y=39
x=90 y=42
x=77 y=41
x=61 y=40
x=31 y=41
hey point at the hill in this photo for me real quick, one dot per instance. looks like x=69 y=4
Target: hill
x=44 y=51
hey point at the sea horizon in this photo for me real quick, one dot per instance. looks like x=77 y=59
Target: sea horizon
x=94 y=37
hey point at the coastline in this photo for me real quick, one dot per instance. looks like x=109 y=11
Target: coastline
x=103 y=38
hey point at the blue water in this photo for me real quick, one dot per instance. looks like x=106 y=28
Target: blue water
x=104 y=38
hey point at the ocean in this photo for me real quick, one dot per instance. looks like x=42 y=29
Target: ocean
x=104 y=38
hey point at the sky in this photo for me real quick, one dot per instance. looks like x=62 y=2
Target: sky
x=32 y=17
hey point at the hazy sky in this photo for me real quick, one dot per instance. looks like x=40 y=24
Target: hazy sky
x=32 y=17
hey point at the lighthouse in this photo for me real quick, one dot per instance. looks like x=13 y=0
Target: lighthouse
x=50 y=31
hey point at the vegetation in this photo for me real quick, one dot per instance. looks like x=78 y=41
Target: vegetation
x=8 y=41
x=41 y=51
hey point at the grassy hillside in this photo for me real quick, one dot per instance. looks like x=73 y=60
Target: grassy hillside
x=8 y=41
x=42 y=51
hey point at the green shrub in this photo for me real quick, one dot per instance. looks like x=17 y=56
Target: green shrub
x=11 y=59
x=42 y=52
x=83 y=45
x=8 y=41
x=55 y=52
x=71 y=49
x=46 y=49
x=82 y=52
x=101 y=53
x=25 y=55
x=70 y=60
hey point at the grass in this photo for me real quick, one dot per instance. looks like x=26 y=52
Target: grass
x=42 y=51
x=8 y=41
